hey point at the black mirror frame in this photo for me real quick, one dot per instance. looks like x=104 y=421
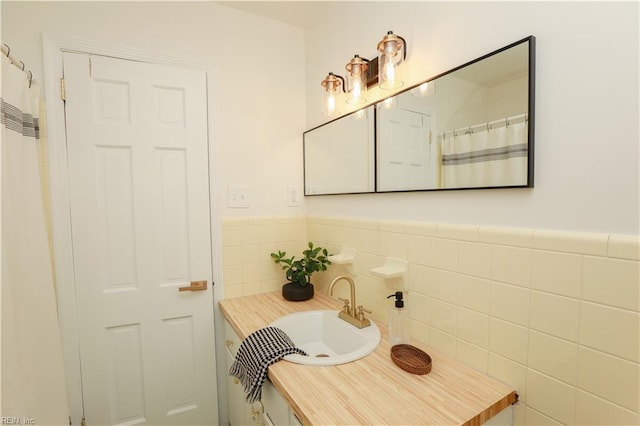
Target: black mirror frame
x=530 y=130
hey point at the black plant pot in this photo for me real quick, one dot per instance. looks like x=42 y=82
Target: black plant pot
x=297 y=293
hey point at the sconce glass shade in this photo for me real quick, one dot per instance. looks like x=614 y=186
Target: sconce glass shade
x=356 y=80
x=425 y=89
x=392 y=52
x=359 y=114
x=388 y=103
x=332 y=85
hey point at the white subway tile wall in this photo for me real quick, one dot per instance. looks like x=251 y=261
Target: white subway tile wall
x=556 y=315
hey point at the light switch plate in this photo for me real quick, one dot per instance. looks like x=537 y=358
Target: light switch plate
x=293 y=196
x=238 y=196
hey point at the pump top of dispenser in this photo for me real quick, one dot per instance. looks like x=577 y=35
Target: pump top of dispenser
x=398 y=296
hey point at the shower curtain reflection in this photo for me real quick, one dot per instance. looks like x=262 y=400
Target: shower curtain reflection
x=488 y=155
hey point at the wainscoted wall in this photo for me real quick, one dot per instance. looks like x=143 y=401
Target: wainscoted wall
x=554 y=314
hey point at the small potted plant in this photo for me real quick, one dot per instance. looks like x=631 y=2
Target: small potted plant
x=299 y=271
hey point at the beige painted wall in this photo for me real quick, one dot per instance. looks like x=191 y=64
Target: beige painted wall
x=259 y=95
x=586 y=134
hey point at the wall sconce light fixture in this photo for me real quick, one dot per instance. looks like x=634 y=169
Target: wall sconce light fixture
x=363 y=73
x=333 y=85
x=356 y=80
x=392 y=52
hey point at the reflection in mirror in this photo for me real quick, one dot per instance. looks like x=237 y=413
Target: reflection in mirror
x=471 y=127
x=339 y=155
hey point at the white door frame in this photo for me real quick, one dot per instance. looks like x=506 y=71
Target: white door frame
x=53 y=47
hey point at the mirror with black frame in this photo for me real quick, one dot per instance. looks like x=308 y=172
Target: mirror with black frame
x=471 y=127
x=339 y=156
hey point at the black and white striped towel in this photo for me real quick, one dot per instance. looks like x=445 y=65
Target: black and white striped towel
x=256 y=353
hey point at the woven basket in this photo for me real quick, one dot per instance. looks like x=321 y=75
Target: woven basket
x=411 y=359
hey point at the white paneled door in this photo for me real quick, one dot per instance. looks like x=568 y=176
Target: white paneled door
x=404 y=143
x=139 y=199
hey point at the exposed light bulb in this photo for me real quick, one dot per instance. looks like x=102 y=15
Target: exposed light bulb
x=356 y=80
x=389 y=72
x=392 y=50
x=331 y=104
x=332 y=85
x=357 y=90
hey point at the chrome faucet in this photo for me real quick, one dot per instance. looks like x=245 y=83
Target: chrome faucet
x=349 y=313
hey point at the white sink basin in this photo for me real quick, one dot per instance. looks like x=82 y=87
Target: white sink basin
x=326 y=338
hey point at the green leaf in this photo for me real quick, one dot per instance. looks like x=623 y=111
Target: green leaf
x=299 y=271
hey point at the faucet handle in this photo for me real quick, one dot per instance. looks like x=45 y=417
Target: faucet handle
x=345 y=307
x=361 y=311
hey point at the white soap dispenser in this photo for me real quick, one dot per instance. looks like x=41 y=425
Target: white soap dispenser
x=398 y=321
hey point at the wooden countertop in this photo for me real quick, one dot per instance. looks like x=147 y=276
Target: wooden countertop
x=372 y=390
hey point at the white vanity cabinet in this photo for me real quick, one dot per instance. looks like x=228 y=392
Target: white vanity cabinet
x=240 y=411
x=272 y=410
x=276 y=411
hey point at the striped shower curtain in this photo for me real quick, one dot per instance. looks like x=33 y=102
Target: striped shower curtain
x=486 y=158
x=33 y=381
